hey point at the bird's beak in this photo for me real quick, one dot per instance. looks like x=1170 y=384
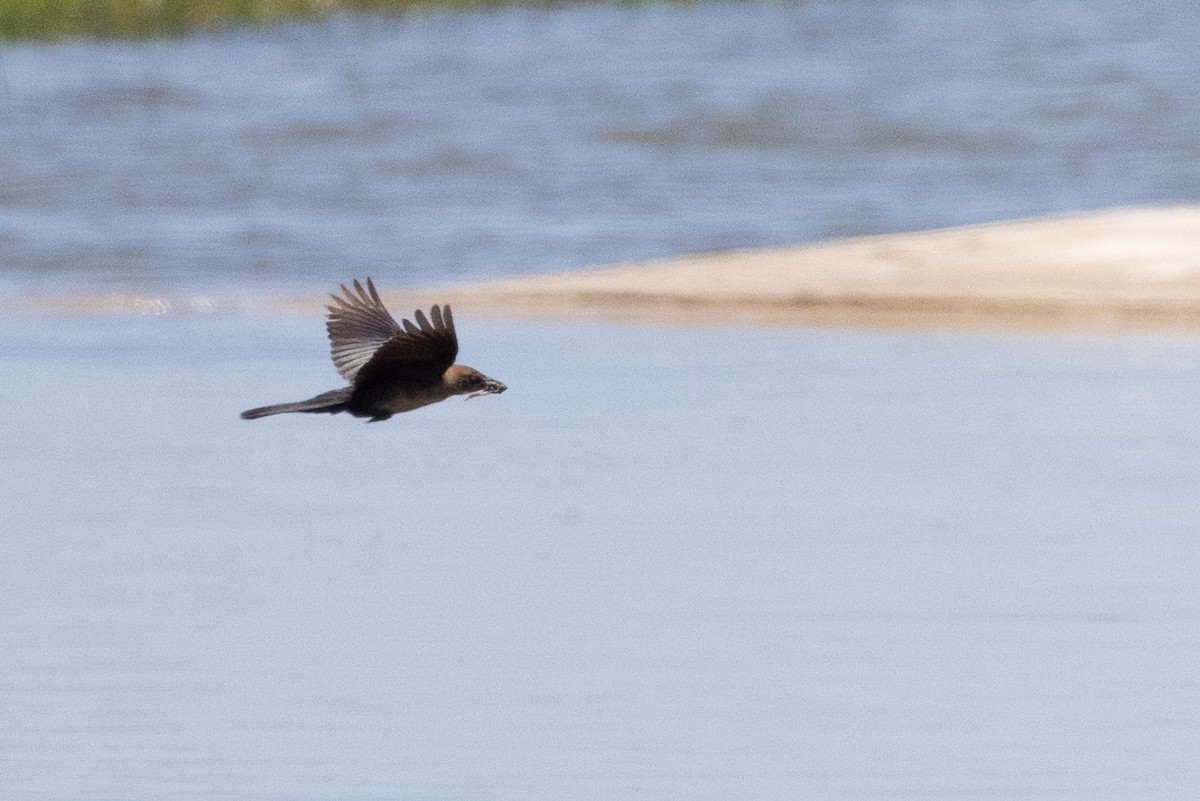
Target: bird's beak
x=490 y=387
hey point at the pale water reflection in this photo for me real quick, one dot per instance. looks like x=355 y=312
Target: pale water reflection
x=735 y=563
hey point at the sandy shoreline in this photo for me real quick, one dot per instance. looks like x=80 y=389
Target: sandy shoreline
x=1123 y=268
x=1120 y=269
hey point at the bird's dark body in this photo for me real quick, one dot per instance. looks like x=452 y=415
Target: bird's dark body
x=391 y=369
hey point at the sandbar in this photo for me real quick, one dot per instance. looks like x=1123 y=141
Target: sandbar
x=1116 y=269
x=1128 y=268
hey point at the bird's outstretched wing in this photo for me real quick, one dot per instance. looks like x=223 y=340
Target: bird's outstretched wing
x=368 y=345
x=358 y=324
x=419 y=353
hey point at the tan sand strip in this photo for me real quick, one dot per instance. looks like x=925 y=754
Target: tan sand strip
x=1125 y=268
x=1109 y=270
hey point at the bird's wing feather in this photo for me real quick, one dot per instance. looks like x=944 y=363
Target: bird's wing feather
x=358 y=324
x=417 y=352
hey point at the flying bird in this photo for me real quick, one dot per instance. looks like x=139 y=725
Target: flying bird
x=392 y=368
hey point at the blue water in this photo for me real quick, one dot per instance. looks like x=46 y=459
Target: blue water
x=433 y=147
x=665 y=564
x=668 y=563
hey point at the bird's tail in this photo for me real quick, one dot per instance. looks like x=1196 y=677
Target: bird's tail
x=330 y=402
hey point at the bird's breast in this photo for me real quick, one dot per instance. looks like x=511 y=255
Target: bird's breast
x=397 y=397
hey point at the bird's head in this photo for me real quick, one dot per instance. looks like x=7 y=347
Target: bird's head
x=463 y=380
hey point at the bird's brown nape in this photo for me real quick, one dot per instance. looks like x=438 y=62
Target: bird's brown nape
x=463 y=380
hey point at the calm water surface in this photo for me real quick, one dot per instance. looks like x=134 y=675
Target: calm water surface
x=666 y=564
x=445 y=146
